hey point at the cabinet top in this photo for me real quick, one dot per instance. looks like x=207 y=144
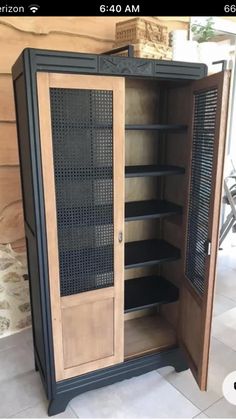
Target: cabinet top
x=76 y=62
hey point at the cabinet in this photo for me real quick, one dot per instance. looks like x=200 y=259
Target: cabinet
x=121 y=168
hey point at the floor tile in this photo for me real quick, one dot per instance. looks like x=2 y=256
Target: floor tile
x=28 y=336
x=20 y=393
x=222 y=362
x=16 y=340
x=221 y=409
x=222 y=304
x=226 y=257
x=221 y=259
x=226 y=283
x=224 y=328
x=15 y=361
x=186 y=384
x=40 y=411
x=148 y=396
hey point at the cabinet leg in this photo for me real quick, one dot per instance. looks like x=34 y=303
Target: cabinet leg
x=180 y=363
x=58 y=405
x=181 y=367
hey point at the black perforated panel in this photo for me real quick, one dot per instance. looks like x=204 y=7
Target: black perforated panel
x=200 y=186
x=83 y=156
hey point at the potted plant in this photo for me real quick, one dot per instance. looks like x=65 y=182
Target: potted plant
x=203 y=34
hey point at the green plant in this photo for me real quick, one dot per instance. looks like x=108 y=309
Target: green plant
x=204 y=33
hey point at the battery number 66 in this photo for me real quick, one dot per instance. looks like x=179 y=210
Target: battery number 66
x=230 y=8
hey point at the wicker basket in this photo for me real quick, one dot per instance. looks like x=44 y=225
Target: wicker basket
x=148 y=36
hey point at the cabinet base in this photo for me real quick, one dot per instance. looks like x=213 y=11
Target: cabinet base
x=68 y=389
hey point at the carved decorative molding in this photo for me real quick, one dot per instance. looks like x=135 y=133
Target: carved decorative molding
x=118 y=65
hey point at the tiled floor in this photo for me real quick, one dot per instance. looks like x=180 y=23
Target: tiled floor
x=162 y=394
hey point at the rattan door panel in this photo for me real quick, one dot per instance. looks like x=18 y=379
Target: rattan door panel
x=201 y=220
x=82 y=136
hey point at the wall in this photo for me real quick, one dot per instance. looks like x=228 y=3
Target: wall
x=85 y=34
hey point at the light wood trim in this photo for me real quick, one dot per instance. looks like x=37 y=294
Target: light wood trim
x=81 y=81
x=118 y=211
x=87 y=297
x=50 y=215
x=90 y=366
x=223 y=83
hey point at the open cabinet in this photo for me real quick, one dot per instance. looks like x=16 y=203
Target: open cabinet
x=121 y=168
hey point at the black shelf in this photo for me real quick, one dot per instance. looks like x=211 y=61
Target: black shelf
x=149 y=252
x=149 y=291
x=103 y=214
x=153 y=170
x=158 y=127
x=140 y=210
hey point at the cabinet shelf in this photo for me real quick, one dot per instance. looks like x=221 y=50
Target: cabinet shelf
x=149 y=252
x=156 y=127
x=152 y=170
x=140 y=210
x=128 y=127
x=102 y=214
x=145 y=292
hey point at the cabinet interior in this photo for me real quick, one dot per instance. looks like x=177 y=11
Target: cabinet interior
x=156 y=157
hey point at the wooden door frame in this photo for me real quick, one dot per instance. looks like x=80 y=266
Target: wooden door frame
x=205 y=301
x=45 y=81
x=215 y=206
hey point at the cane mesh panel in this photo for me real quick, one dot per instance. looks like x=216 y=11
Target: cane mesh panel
x=83 y=159
x=205 y=104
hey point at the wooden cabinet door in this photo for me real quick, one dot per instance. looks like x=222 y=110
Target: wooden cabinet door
x=81 y=121
x=209 y=98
